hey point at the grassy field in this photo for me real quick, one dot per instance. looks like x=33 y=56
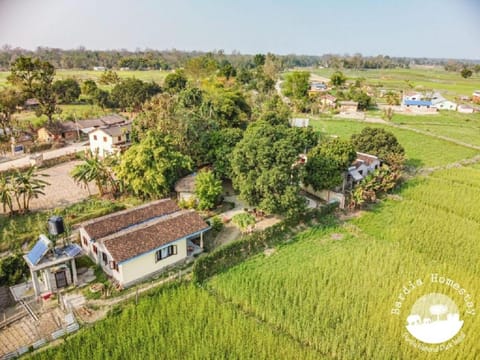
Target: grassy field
x=451 y=84
x=336 y=296
x=24 y=229
x=149 y=75
x=421 y=150
x=327 y=294
x=180 y=322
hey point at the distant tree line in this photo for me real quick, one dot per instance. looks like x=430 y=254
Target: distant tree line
x=81 y=58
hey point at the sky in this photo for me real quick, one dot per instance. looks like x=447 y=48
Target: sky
x=413 y=28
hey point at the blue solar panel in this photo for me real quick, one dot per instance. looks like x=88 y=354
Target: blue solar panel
x=39 y=250
x=72 y=250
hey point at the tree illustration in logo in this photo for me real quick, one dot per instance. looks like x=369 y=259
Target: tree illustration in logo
x=438 y=310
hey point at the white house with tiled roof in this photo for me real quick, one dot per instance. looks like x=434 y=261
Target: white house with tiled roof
x=134 y=244
x=110 y=139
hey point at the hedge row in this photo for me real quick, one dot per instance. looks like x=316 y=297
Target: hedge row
x=237 y=251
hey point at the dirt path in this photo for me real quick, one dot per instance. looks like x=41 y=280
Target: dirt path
x=63 y=190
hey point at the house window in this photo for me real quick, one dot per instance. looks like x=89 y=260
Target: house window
x=104 y=258
x=95 y=250
x=119 y=138
x=94 y=137
x=166 y=252
x=104 y=139
x=85 y=241
x=114 y=265
x=127 y=137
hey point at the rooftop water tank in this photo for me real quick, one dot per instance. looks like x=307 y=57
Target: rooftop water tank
x=55 y=225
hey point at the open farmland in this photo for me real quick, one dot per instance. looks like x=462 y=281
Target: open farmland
x=451 y=84
x=81 y=75
x=421 y=150
x=328 y=289
x=310 y=296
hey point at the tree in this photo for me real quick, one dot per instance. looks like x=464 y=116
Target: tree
x=13 y=270
x=388 y=114
x=338 y=79
x=296 y=85
x=392 y=98
x=131 y=93
x=201 y=67
x=67 y=90
x=243 y=221
x=207 y=190
x=378 y=142
x=327 y=162
x=265 y=171
x=6 y=194
x=259 y=59
x=27 y=185
x=274 y=111
x=151 y=167
x=175 y=82
x=101 y=98
x=93 y=169
x=89 y=87
x=226 y=69
x=10 y=99
x=109 y=77
x=35 y=79
x=466 y=73
x=221 y=144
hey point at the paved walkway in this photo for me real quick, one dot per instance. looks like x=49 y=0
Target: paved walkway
x=51 y=154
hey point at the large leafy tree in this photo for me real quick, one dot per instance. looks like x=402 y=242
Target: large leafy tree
x=151 y=167
x=265 y=168
x=10 y=99
x=338 y=78
x=175 y=82
x=221 y=144
x=296 y=85
x=207 y=189
x=130 y=94
x=35 y=79
x=378 y=142
x=327 y=162
x=67 y=90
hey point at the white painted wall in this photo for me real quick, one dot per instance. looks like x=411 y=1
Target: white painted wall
x=144 y=265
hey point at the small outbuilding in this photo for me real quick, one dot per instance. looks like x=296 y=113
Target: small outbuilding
x=348 y=106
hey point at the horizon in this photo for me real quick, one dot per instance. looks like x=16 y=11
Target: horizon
x=431 y=29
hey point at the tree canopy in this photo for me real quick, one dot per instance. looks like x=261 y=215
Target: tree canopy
x=296 y=85
x=265 y=171
x=207 y=189
x=338 y=79
x=67 y=90
x=327 y=162
x=151 y=167
x=35 y=79
x=378 y=142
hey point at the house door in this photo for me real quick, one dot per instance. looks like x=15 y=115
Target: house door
x=61 y=279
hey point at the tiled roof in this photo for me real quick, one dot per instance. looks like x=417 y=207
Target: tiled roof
x=153 y=234
x=366 y=158
x=109 y=224
x=117 y=130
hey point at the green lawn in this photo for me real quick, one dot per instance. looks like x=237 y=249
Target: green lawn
x=421 y=150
